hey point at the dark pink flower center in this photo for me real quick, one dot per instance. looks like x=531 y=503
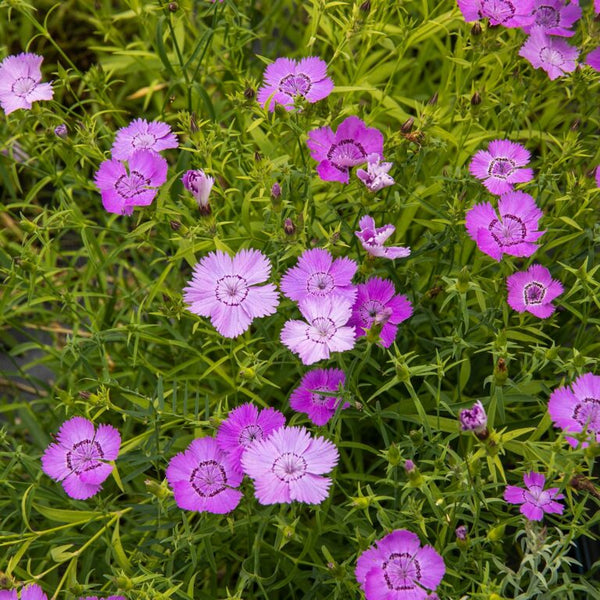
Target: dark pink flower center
x=369 y=310
x=537 y=496
x=345 y=154
x=498 y=10
x=143 y=141
x=401 y=570
x=289 y=467
x=22 y=86
x=231 y=290
x=84 y=456
x=551 y=56
x=533 y=293
x=320 y=284
x=295 y=85
x=587 y=414
x=208 y=479
x=546 y=16
x=249 y=434
x=501 y=168
x=509 y=231
x=128 y=186
x=320 y=399
x=321 y=330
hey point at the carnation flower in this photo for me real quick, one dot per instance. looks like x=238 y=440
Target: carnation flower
x=318 y=275
x=289 y=465
x=285 y=80
x=554 y=17
x=376 y=176
x=225 y=289
x=597 y=6
x=514 y=232
x=501 y=166
x=30 y=592
x=534 y=501
x=20 y=77
x=80 y=458
x=598 y=176
x=122 y=190
x=96 y=598
x=474 y=419
x=500 y=12
x=242 y=426
x=373 y=239
x=533 y=291
x=141 y=135
x=318 y=394
x=593 y=59
x=397 y=567
x=199 y=184
x=349 y=146
x=553 y=55
x=204 y=478
x=576 y=409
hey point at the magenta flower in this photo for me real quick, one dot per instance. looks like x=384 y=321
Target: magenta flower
x=204 y=478
x=533 y=291
x=289 y=465
x=20 y=77
x=141 y=135
x=242 y=426
x=593 y=59
x=325 y=330
x=318 y=275
x=554 y=17
x=501 y=166
x=513 y=232
x=96 y=598
x=534 y=501
x=597 y=6
x=576 y=409
x=376 y=176
x=30 y=592
x=397 y=567
x=376 y=303
x=598 y=176
x=225 y=289
x=80 y=458
x=474 y=418
x=199 y=184
x=553 y=55
x=499 y=12
x=373 y=239
x=286 y=80
x=318 y=394
x=349 y=146
x=122 y=190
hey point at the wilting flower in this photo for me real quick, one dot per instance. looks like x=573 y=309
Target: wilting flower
x=397 y=567
x=499 y=12
x=534 y=501
x=318 y=394
x=80 y=458
x=514 y=232
x=593 y=59
x=204 y=478
x=30 y=592
x=61 y=131
x=373 y=239
x=242 y=426
x=461 y=532
x=199 y=184
x=533 y=291
x=501 y=166
x=123 y=189
x=20 y=77
x=318 y=275
x=376 y=176
x=289 y=465
x=577 y=408
x=474 y=419
x=285 y=80
x=554 y=55
x=141 y=135
x=554 y=17
x=225 y=289
x=349 y=146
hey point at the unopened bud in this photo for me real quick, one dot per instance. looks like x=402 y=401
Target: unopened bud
x=496 y=534
x=289 y=227
x=173 y=6
x=61 y=131
x=433 y=100
x=276 y=190
x=407 y=125
x=175 y=225
x=123 y=583
x=476 y=99
x=84 y=395
x=365 y=6
x=247 y=373
x=476 y=29
x=156 y=489
x=500 y=372
x=249 y=93
x=462 y=282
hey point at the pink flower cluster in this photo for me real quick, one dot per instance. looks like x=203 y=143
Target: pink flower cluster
x=35 y=592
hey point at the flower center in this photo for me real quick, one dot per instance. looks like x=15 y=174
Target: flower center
x=508 y=232
x=320 y=284
x=551 y=56
x=208 y=479
x=249 y=434
x=369 y=310
x=400 y=571
x=533 y=293
x=289 y=467
x=22 y=86
x=536 y=495
x=295 y=85
x=499 y=10
x=320 y=399
x=501 y=168
x=546 y=16
x=143 y=140
x=231 y=290
x=84 y=456
x=128 y=186
x=345 y=154
x=587 y=414
x=321 y=330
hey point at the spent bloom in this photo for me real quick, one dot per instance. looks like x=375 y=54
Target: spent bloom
x=373 y=239
x=203 y=478
x=533 y=291
x=534 y=501
x=289 y=465
x=552 y=54
x=242 y=426
x=61 y=131
x=514 y=231
x=318 y=394
x=199 y=184
x=576 y=409
x=20 y=77
x=499 y=12
x=225 y=289
x=348 y=147
x=376 y=176
x=141 y=135
x=501 y=166
x=30 y=592
x=80 y=457
x=474 y=419
x=124 y=188
x=286 y=79
x=397 y=567
x=554 y=17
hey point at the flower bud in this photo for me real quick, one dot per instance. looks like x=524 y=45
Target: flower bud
x=276 y=190
x=200 y=185
x=61 y=131
x=500 y=372
x=414 y=475
x=249 y=93
x=462 y=537
x=289 y=227
x=462 y=282
x=407 y=125
x=476 y=99
x=476 y=29
x=156 y=489
x=173 y=6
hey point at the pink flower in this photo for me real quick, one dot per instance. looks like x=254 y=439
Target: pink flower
x=289 y=465
x=373 y=239
x=598 y=176
x=109 y=598
x=376 y=176
x=533 y=291
x=199 y=184
x=30 y=592
x=593 y=59
x=20 y=86
x=553 y=55
x=534 y=501
x=141 y=135
x=554 y=17
x=499 y=12
x=597 y=6
x=474 y=418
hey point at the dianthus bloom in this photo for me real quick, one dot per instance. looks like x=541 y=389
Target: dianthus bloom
x=593 y=59
x=30 y=592
x=96 y=598
x=204 y=478
x=141 y=135
x=514 y=232
x=534 y=501
x=20 y=77
x=349 y=146
x=318 y=275
x=554 y=55
x=289 y=465
x=500 y=12
x=373 y=239
x=554 y=17
x=285 y=80
x=199 y=184
x=376 y=176
x=533 y=291
x=577 y=409
x=501 y=166
x=325 y=331
x=242 y=426
x=598 y=176
x=122 y=190
x=225 y=289
x=474 y=419
x=377 y=304
x=318 y=394
x=80 y=458
x=397 y=567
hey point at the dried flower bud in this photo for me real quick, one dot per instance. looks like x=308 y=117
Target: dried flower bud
x=433 y=100
x=289 y=227
x=476 y=99
x=175 y=225
x=476 y=29
x=365 y=6
x=407 y=125
x=249 y=93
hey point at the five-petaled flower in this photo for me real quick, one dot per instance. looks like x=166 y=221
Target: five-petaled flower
x=373 y=239
x=534 y=501
x=141 y=135
x=508 y=13
x=552 y=54
x=30 y=592
x=533 y=291
x=554 y=17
